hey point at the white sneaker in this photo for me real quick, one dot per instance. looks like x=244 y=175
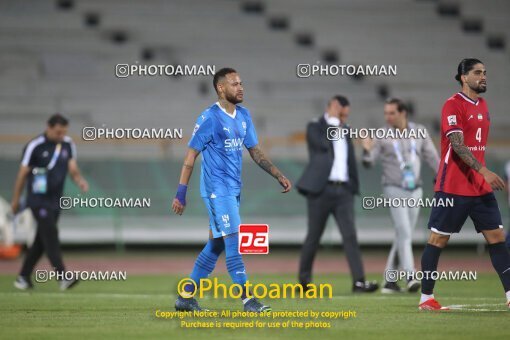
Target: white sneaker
x=23 y=283
x=67 y=284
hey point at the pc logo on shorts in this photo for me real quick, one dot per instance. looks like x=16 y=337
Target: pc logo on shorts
x=253 y=239
x=226 y=220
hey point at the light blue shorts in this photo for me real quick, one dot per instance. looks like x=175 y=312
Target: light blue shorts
x=224 y=217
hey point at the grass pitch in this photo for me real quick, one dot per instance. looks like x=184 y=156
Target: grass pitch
x=126 y=309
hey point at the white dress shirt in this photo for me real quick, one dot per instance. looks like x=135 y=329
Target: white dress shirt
x=339 y=170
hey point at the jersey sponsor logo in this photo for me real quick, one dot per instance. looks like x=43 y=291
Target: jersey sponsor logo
x=226 y=129
x=234 y=143
x=253 y=239
x=477 y=148
x=226 y=220
x=470 y=117
x=452 y=120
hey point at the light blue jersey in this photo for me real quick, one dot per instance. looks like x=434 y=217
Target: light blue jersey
x=220 y=137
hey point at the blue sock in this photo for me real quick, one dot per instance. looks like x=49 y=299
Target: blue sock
x=500 y=258
x=206 y=261
x=234 y=260
x=429 y=261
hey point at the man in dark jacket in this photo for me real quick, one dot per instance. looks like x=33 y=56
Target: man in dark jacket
x=47 y=159
x=329 y=183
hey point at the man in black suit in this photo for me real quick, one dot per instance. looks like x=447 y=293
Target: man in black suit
x=329 y=184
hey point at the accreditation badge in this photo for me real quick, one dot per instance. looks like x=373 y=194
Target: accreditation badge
x=408 y=178
x=40 y=181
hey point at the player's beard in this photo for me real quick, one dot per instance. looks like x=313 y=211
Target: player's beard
x=478 y=88
x=233 y=99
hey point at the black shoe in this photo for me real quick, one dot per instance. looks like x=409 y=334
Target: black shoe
x=303 y=286
x=23 y=283
x=188 y=305
x=391 y=288
x=413 y=286
x=253 y=305
x=364 y=286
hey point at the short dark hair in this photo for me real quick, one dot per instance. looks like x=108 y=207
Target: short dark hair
x=221 y=74
x=57 y=119
x=342 y=100
x=465 y=66
x=401 y=106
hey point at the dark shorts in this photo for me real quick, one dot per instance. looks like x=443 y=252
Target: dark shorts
x=483 y=211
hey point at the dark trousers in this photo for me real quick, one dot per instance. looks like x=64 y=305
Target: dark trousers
x=339 y=201
x=46 y=240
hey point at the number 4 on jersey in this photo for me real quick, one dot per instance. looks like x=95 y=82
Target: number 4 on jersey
x=478 y=135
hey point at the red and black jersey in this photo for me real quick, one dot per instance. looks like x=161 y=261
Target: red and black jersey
x=471 y=118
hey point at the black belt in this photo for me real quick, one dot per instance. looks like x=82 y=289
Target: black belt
x=337 y=183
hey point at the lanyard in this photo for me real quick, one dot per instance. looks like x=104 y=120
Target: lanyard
x=399 y=153
x=55 y=156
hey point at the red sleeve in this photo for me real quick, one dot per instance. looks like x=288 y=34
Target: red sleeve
x=451 y=118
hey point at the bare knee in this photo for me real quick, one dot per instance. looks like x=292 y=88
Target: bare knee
x=438 y=240
x=494 y=236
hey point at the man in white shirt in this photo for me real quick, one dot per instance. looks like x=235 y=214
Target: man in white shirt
x=329 y=183
x=401 y=161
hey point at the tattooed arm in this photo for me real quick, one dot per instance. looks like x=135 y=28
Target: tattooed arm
x=258 y=156
x=457 y=142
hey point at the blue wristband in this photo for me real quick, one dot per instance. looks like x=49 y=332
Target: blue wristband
x=181 y=193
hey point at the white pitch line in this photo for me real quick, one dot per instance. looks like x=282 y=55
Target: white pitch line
x=408 y=296
x=478 y=305
x=481 y=310
x=472 y=308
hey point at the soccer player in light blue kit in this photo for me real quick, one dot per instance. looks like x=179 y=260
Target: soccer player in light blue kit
x=220 y=133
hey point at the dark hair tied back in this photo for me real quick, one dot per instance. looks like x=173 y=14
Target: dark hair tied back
x=465 y=66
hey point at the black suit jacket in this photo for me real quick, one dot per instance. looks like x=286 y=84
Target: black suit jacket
x=320 y=149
